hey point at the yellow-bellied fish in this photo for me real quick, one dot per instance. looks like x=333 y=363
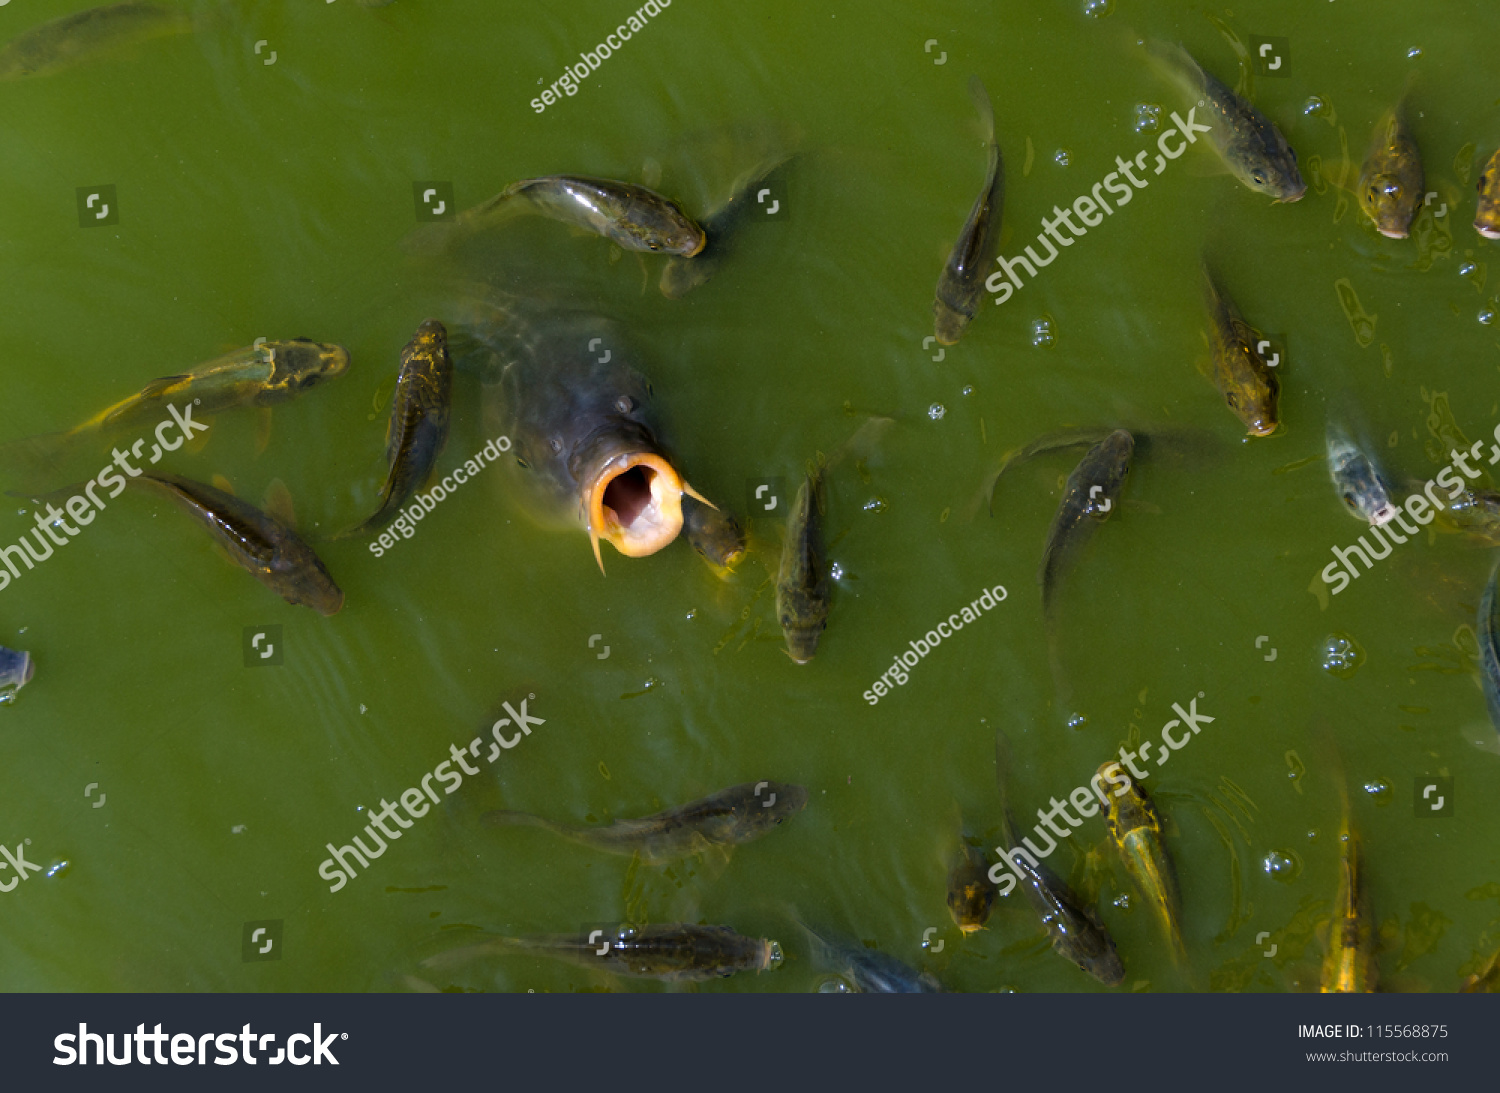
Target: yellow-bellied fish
x=730 y=817
x=1349 y=966
x=1135 y=829
x=267 y=549
x=674 y=952
x=1391 y=183
x=1486 y=980
x=1487 y=219
x=1087 y=500
x=418 y=427
x=257 y=375
x=580 y=418
x=802 y=585
x=1252 y=147
x=961 y=285
x=630 y=216
x=83 y=36
x=1249 y=386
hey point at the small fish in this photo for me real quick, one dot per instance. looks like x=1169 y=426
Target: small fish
x=1475 y=510
x=802 y=586
x=971 y=893
x=1349 y=966
x=418 y=427
x=83 y=36
x=630 y=216
x=1051 y=442
x=866 y=970
x=16 y=670
x=1390 y=183
x=1075 y=932
x=674 y=952
x=1358 y=482
x=262 y=375
x=1087 y=500
x=714 y=534
x=271 y=552
x=961 y=285
x=1135 y=829
x=730 y=817
x=1249 y=386
x=1253 y=148
x=1488 y=629
x=1487 y=220
x=721 y=227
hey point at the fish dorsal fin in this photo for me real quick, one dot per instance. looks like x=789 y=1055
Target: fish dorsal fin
x=278 y=503
x=162 y=386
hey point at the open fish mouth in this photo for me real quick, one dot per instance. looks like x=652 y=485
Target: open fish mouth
x=1489 y=231
x=636 y=504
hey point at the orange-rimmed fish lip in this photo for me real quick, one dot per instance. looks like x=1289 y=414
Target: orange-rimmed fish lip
x=702 y=242
x=655 y=523
x=971 y=928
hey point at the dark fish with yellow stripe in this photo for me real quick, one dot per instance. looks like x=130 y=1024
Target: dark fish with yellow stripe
x=1349 y=966
x=971 y=893
x=419 y=421
x=714 y=534
x=268 y=550
x=1135 y=830
x=961 y=285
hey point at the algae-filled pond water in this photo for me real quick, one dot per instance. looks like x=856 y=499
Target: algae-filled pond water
x=188 y=768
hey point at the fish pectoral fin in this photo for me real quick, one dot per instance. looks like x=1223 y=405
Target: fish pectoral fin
x=594 y=539
x=263 y=430
x=219 y=482
x=278 y=503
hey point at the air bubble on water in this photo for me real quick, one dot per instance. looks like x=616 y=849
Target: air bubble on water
x=1414 y=52
x=1062 y=157
x=1282 y=865
x=834 y=985
x=1315 y=106
x=1486 y=316
x=936 y=411
x=1077 y=721
x=1043 y=332
x=969 y=389
x=1122 y=901
x=1467 y=269
x=1380 y=789
x=1312 y=834
x=691 y=615
x=1147 y=117
x=8 y=693
x=1341 y=655
x=20 y=512
x=1098 y=8
x=836 y=571
x=876 y=504
x=59 y=867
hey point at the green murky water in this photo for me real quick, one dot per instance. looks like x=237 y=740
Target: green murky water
x=261 y=199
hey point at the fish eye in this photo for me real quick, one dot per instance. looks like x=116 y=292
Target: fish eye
x=1233 y=401
x=1258 y=177
x=312 y=379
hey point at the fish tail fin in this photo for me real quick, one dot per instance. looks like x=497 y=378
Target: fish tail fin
x=1176 y=64
x=453 y=958
x=503 y=817
x=981 y=100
